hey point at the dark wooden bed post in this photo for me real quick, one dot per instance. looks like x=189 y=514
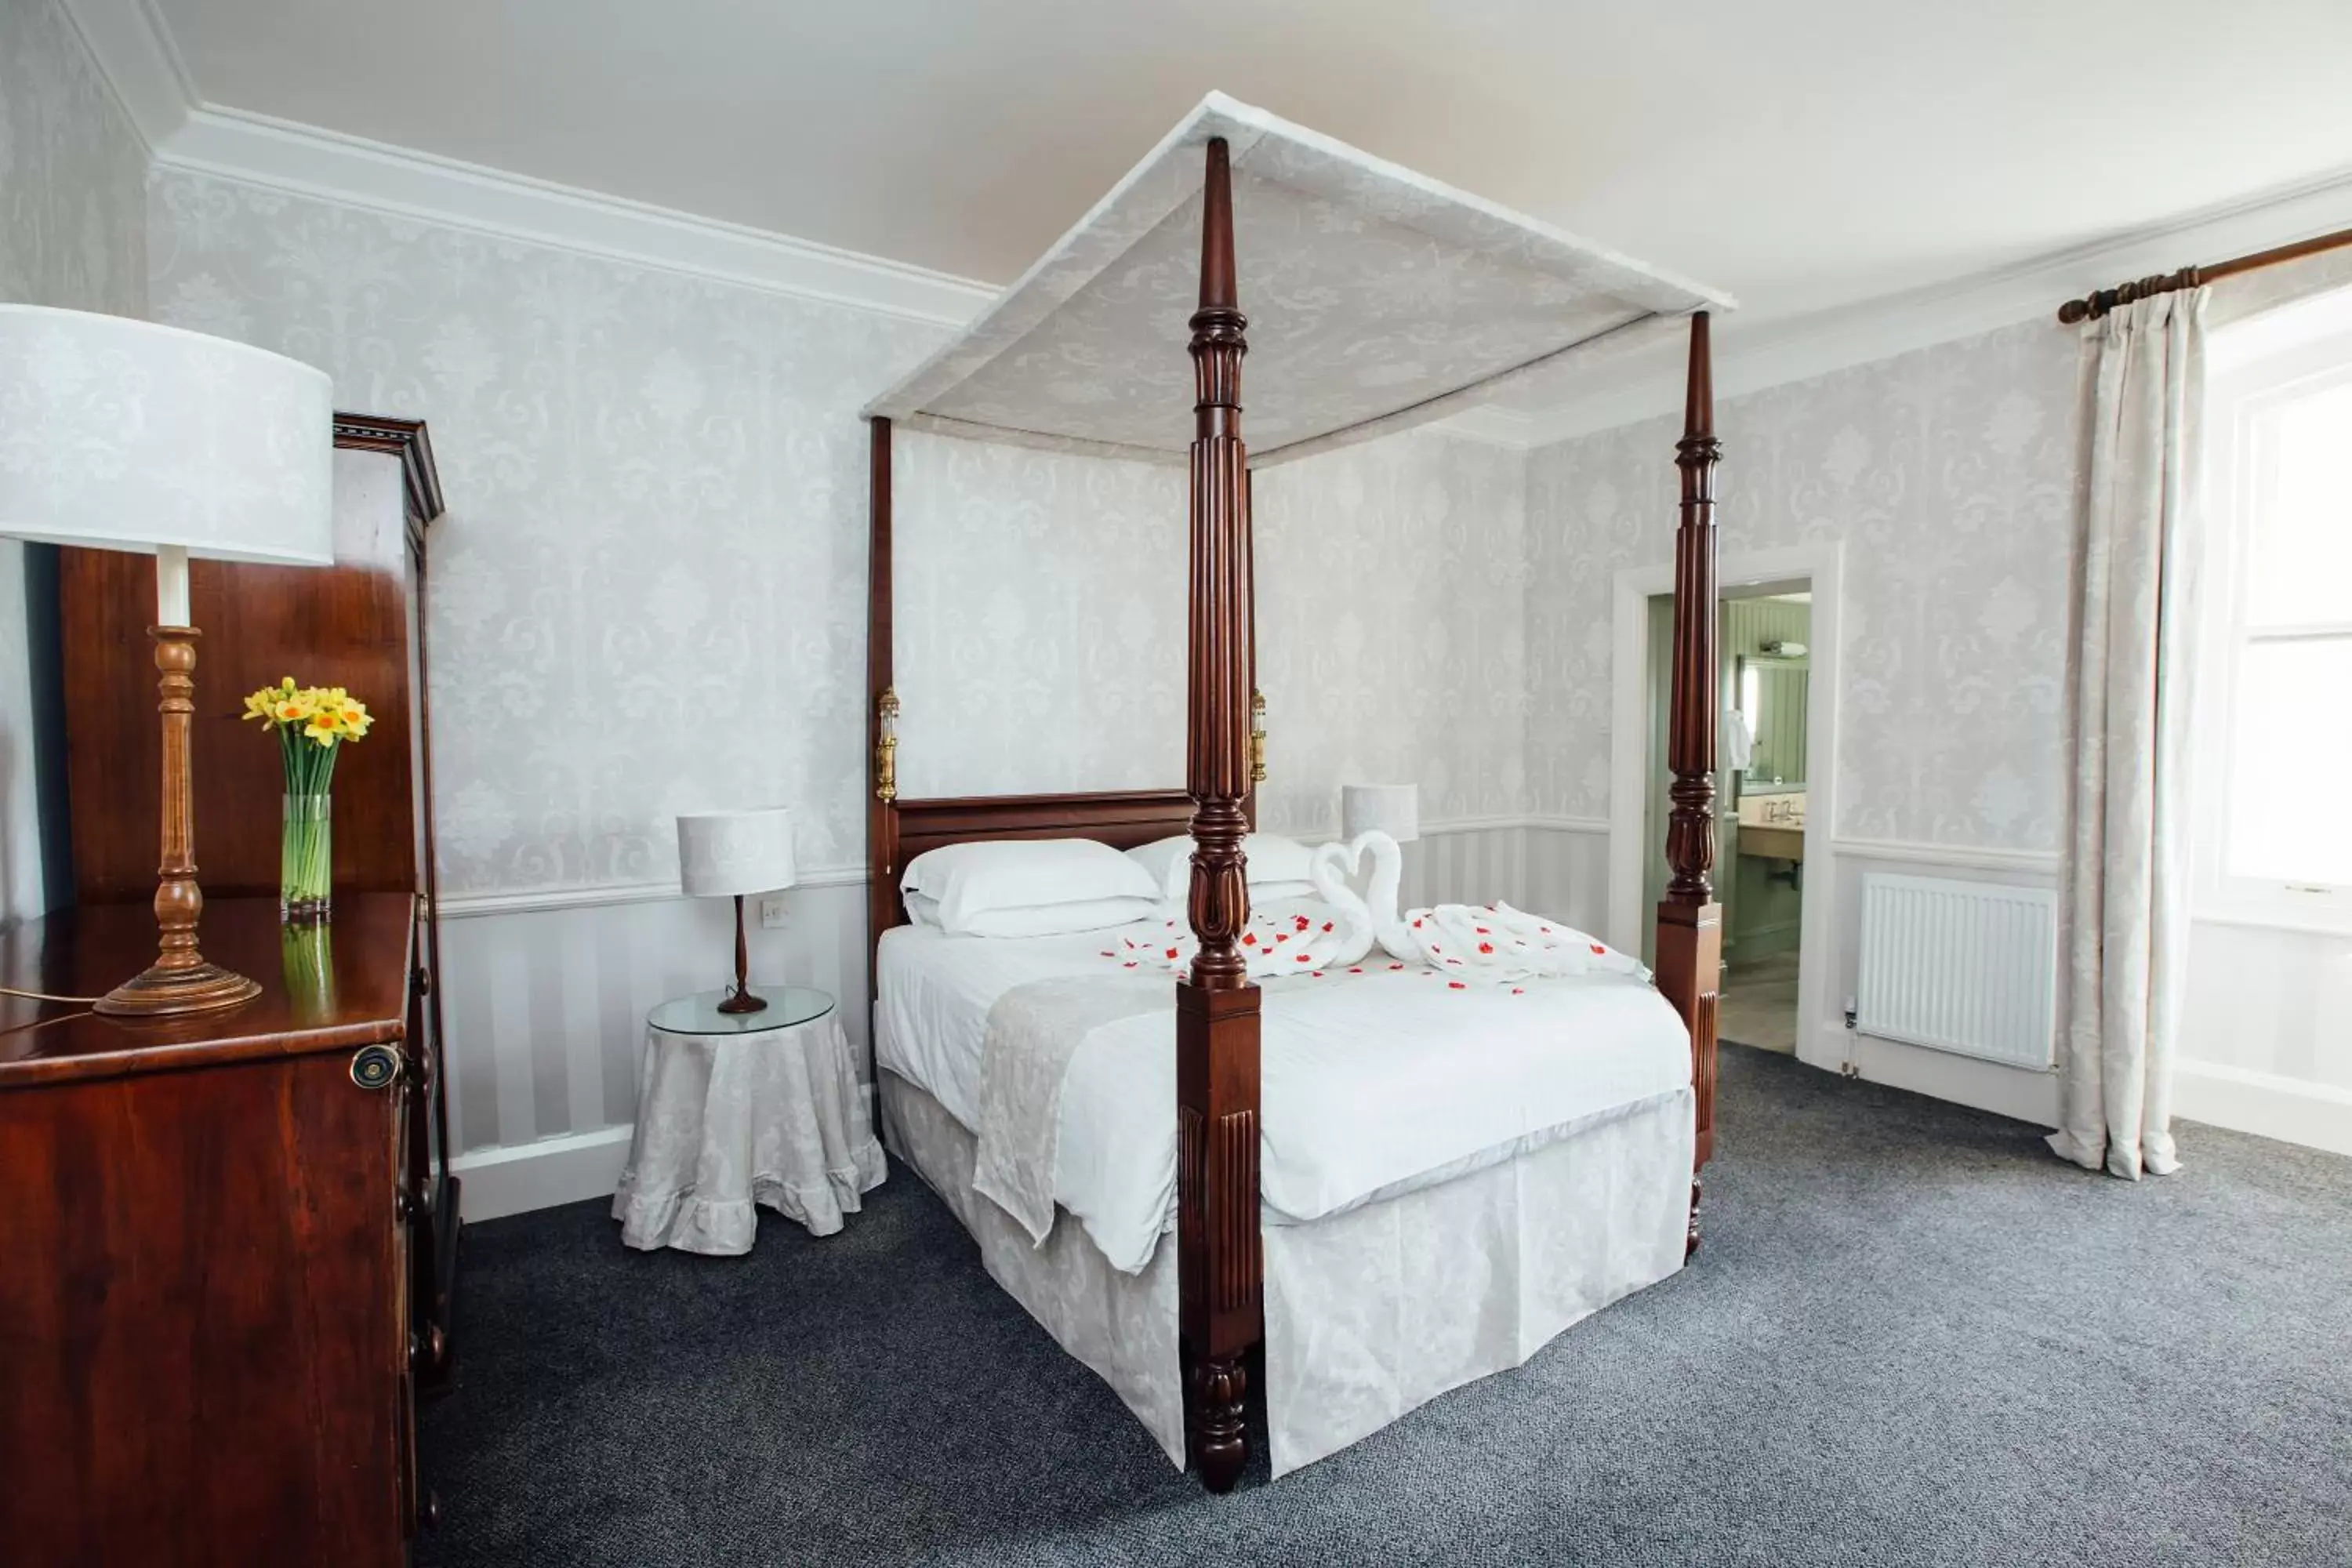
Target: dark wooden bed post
x=1690 y=923
x=1220 y=1268
x=881 y=722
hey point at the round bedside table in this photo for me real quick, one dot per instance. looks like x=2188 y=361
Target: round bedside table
x=735 y=1109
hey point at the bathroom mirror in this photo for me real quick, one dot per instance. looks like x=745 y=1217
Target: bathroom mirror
x=1771 y=695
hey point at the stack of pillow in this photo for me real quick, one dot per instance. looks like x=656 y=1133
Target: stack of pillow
x=1049 y=887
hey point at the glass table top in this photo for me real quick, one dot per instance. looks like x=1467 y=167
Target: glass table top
x=698 y=1014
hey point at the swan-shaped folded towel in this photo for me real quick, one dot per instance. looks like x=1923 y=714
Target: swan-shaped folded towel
x=1274 y=944
x=1469 y=941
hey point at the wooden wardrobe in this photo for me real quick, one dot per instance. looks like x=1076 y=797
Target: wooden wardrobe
x=359 y=624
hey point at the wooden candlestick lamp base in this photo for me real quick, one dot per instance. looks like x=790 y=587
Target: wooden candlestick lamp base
x=740 y=999
x=181 y=980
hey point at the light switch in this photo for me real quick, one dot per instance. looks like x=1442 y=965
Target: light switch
x=771 y=912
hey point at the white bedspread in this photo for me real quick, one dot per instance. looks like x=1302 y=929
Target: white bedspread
x=1372 y=1085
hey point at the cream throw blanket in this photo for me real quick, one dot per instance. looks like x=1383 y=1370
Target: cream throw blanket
x=1034 y=1030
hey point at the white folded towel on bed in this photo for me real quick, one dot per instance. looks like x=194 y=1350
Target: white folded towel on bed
x=1288 y=937
x=1470 y=942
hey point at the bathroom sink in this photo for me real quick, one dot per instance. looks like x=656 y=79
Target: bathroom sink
x=1773 y=843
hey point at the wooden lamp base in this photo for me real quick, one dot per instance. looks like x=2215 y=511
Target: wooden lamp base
x=740 y=999
x=181 y=980
x=158 y=992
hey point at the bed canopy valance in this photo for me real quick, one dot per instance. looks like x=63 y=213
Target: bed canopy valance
x=1377 y=300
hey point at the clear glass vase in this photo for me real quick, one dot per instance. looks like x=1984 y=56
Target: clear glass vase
x=307 y=859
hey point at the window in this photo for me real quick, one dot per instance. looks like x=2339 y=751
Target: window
x=2273 y=733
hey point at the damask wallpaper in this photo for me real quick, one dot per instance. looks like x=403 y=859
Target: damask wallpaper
x=1390 y=620
x=73 y=173
x=1038 y=620
x=648 y=594
x=1949 y=473
x=73 y=233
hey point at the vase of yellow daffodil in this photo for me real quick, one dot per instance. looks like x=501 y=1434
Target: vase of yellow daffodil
x=311 y=722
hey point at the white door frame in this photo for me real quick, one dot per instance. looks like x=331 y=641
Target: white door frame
x=1821 y=562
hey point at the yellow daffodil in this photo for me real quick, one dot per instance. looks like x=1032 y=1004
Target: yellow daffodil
x=325 y=715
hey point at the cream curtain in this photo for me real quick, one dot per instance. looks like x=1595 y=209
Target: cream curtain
x=2123 y=892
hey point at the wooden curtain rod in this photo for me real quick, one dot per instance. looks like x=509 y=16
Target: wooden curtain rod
x=2107 y=299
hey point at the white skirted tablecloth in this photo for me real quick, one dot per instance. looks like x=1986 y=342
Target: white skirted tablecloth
x=729 y=1122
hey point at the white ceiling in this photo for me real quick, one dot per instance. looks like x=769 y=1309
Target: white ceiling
x=1801 y=154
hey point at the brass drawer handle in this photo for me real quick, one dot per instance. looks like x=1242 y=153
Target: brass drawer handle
x=376 y=1066
x=427 y=1350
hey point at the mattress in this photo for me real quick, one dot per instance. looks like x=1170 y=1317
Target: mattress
x=1370 y=1086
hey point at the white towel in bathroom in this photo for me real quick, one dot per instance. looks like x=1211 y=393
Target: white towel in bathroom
x=1735 y=744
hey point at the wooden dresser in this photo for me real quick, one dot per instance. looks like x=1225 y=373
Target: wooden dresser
x=206 y=1247
x=275 y=1206
x=358 y=623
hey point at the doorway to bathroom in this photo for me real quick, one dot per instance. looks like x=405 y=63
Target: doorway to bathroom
x=1776 y=622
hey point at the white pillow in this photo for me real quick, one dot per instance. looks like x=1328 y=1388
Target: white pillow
x=922 y=909
x=971 y=881
x=1271 y=858
x=1058 y=920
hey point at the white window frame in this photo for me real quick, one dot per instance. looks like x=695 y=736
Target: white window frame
x=2253 y=369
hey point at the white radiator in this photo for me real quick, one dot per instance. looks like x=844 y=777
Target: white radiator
x=1969 y=967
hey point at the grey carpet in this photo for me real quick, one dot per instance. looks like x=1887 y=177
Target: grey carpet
x=1912 y=1337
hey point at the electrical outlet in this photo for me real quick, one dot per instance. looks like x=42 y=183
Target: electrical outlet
x=771 y=912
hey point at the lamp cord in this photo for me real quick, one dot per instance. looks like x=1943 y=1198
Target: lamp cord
x=43 y=996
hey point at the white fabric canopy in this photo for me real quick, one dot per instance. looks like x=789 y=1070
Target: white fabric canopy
x=1378 y=299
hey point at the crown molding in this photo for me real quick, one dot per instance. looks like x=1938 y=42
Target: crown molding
x=256 y=149
x=134 y=53
x=1752 y=356
x=132 y=48
x=135 y=56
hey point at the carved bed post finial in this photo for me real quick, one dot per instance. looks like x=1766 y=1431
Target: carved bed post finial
x=1690 y=934
x=1219 y=1266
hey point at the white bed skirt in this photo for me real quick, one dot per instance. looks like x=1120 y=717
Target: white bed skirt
x=1369 y=1314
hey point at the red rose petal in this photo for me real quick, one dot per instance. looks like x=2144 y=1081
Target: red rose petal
x=1455 y=985
x=1601 y=950
x=1355 y=972
x=1485 y=947
x=1172 y=953
x=1305 y=957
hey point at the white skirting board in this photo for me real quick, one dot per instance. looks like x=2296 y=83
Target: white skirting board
x=2296 y=1110
x=501 y=1180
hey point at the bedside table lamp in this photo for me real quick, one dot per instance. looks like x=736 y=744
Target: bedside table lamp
x=1392 y=809
x=723 y=853
x=122 y=434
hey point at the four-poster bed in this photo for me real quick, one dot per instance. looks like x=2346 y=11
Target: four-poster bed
x=1464 y=300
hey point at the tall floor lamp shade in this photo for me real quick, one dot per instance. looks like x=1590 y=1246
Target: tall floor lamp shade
x=122 y=434
x=723 y=853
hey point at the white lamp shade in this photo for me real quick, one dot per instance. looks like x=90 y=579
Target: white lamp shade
x=1392 y=809
x=128 y=435
x=725 y=852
